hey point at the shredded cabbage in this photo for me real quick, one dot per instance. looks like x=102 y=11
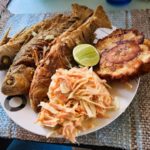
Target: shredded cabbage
x=75 y=96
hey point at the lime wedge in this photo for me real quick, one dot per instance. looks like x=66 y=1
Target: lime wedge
x=86 y=55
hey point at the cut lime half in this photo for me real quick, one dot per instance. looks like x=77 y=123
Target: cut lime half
x=86 y=55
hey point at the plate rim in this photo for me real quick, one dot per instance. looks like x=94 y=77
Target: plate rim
x=95 y=129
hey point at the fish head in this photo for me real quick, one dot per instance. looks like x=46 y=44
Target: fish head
x=17 y=82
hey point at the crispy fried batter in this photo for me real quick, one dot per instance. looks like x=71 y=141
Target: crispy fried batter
x=146 y=56
x=124 y=54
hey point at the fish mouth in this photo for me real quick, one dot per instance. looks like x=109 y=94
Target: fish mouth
x=14 y=86
x=8 y=86
x=5 y=62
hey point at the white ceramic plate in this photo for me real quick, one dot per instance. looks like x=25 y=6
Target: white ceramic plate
x=25 y=117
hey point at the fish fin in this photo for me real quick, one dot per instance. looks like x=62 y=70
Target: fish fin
x=81 y=11
x=101 y=17
x=5 y=38
x=19 y=33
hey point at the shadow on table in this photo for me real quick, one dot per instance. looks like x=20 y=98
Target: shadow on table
x=9 y=144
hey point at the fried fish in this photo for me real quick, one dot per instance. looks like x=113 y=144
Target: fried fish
x=19 y=76
x=60 y=55
x=124 y=55
x=10 y=47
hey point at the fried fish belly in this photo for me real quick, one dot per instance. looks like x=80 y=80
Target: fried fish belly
x=20 y=74
x=9 y=47
x=60 y=55
x=123 y=55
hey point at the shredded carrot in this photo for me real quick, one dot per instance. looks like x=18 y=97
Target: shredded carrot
x=75 y=96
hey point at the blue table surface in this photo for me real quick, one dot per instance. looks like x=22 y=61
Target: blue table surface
x=44 y=6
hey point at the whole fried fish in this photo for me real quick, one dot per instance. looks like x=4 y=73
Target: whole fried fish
x=9 y=49
x=19 y=76
x=60 y=55
x=124 y=55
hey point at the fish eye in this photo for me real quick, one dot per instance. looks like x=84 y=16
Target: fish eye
x=5 y=62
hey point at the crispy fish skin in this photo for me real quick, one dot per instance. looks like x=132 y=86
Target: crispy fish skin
x=9 y=50
x=60 y=55
x=19 y=76
x=124 y=55
x=24 y=62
